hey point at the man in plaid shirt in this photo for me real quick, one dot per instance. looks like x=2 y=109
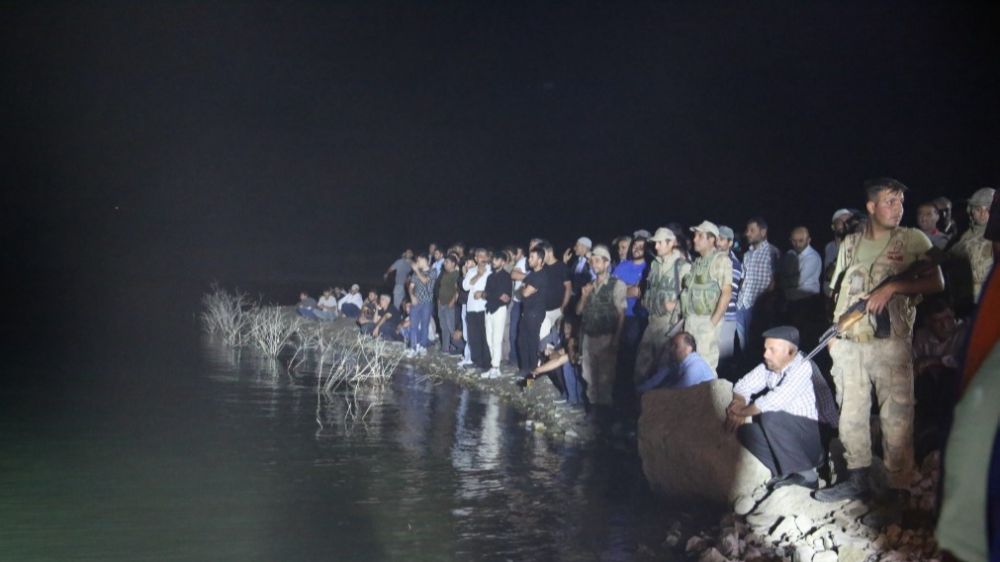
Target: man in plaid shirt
x=779 y=396
x=759 y=264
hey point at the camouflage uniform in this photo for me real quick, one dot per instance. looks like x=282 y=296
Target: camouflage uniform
x=600 y=322
x=975 y=249
x=860 y=360
x=663 y=288
x=702 y=290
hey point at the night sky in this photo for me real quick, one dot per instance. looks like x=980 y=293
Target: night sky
x=247 y=140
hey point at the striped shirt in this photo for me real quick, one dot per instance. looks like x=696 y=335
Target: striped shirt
x=789 y=391
x=758 y=272
x=737 y=281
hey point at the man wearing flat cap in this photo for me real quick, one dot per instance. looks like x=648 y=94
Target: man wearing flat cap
x=661 y=299
x=708 y=288
x=775 y=414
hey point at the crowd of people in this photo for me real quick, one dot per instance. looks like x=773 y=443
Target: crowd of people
x=681 y=306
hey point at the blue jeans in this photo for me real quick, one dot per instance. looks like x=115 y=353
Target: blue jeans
x=420 y=319
x=743 y=318
x=574 y=384
x=515 y=319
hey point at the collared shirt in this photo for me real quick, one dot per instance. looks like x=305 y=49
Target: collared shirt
x=736 y=284
x=472 y=303
x=789 y=391
x=353 y=298
x=522 y=266
x=804 y=280
x=758 y=271
x=691 y=371
x=424 y=292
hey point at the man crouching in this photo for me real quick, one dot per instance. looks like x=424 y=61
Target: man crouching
x=774 y=412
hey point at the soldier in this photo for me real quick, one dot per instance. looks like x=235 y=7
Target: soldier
x=973 y=247
x=602 y=308
x=661 y=300
x=708 y=288
x=861 y=360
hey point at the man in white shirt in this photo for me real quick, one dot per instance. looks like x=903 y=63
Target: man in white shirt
x=353 y=301
x=475 y=309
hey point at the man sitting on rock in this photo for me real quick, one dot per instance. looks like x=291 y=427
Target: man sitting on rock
x=778 y=396
x=685 y=368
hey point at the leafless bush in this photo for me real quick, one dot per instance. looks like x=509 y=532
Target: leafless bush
x=227 y=314
x=271 y=329
x=360 y=367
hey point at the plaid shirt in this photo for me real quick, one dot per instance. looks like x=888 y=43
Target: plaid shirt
x=758 y=271
x=788 y=391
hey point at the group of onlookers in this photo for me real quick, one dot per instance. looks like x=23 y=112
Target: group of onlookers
x=672 y=308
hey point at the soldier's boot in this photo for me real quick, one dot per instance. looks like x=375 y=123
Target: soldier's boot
x=855 y=486
x=889 y=510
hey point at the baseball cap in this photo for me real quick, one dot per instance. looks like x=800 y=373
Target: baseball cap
x=727 y=233
x=706 y=227
x=602 y=251
x=641 y=233
x=663 y=233
x=982 y=197
x=841 y=213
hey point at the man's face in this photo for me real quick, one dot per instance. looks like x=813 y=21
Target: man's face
x=623 y=249
x=639 y=250
x=887 y=210
x=942 y=324
x=482 y=257
x=580 y=250
x=384 y=301
x=534 y=260
x=703 y=243
x=980 y=215
x=839 y=226
x=421 y=263
x=599 y=264
x=449 y=266
x=498 y=262
x=372 y=296
x=777 y=354
x=723 y=244
x=408 y=254
x=678 y=349
x=438 y=254
x=754 y=233
x=944 y=211
x=664 y=247
x=799 y=240
x=927 y=218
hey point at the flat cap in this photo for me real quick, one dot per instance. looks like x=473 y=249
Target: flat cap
x=787 y=333
x=727 y=233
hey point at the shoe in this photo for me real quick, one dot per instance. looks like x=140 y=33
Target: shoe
x=490 y=374
x=559 y=401
x=410 y=353
x=421 y=351
x=806 y=479
x=855 y=486
x=464 y=363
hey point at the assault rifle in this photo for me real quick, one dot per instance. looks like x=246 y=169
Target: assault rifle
x=857 y=311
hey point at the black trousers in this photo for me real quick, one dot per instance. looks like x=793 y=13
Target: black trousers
x=783 y=442
x=479 y=351
x=527 y=340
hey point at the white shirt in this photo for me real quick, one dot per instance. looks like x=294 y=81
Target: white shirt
x=353 y=298
x=328 y=301
x=522 y=266
x=473 y=304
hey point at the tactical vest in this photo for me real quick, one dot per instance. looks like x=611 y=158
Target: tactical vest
x=663 y=285
x=600 y=316
x=975 y=248
x=701 y=292
x=860 y=278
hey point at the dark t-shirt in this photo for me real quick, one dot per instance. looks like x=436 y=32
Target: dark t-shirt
x=536 y=302
x=447 y=286
x=389 y=326
x=497 y=284
x=557 y=274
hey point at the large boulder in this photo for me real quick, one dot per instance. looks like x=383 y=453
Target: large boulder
x=686 y=451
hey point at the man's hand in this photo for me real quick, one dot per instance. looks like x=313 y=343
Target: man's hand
x=505 y=298
x=879 y=298
x=478 y=295
x=586 y=290
x=669 y=306
x=734 y=421
x=567 y=255
x=633 y=292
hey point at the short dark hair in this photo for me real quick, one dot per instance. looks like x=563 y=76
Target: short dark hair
x=688 y=340
x=759 y=221
x=539 y=251
x=502 y=254
x=453 y=258
x=876 y=186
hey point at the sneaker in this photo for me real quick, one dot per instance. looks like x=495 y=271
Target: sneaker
x=559 y=401
x=410 y=353
x=464 y=362
x=421 y=351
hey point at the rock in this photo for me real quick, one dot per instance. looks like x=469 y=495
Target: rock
x=712 y=555
x=729 y=543
x=686 y=451
x=744 y=505
x=825 y=556
x=851 y=554
x=695 y=544
x=794 y=501
x=804 y=524
x=803 y=554
x=785 y=529
x=761 y=522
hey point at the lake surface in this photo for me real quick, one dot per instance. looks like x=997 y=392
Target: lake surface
x=132 y=436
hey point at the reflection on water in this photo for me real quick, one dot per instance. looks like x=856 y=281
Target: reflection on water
x=228 y=457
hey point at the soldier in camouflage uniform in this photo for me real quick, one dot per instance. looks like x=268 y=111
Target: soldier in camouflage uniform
x=708 y=288
x=973 y=248
x=661 y=299
x=602 y=308
x=861 y=360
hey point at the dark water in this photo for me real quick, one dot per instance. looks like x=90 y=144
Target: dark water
x=137 y=438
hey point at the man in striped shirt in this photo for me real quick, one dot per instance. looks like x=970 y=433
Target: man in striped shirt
x=727 y=338
x=779 y=398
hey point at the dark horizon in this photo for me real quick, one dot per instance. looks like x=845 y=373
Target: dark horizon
x=239 y=141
